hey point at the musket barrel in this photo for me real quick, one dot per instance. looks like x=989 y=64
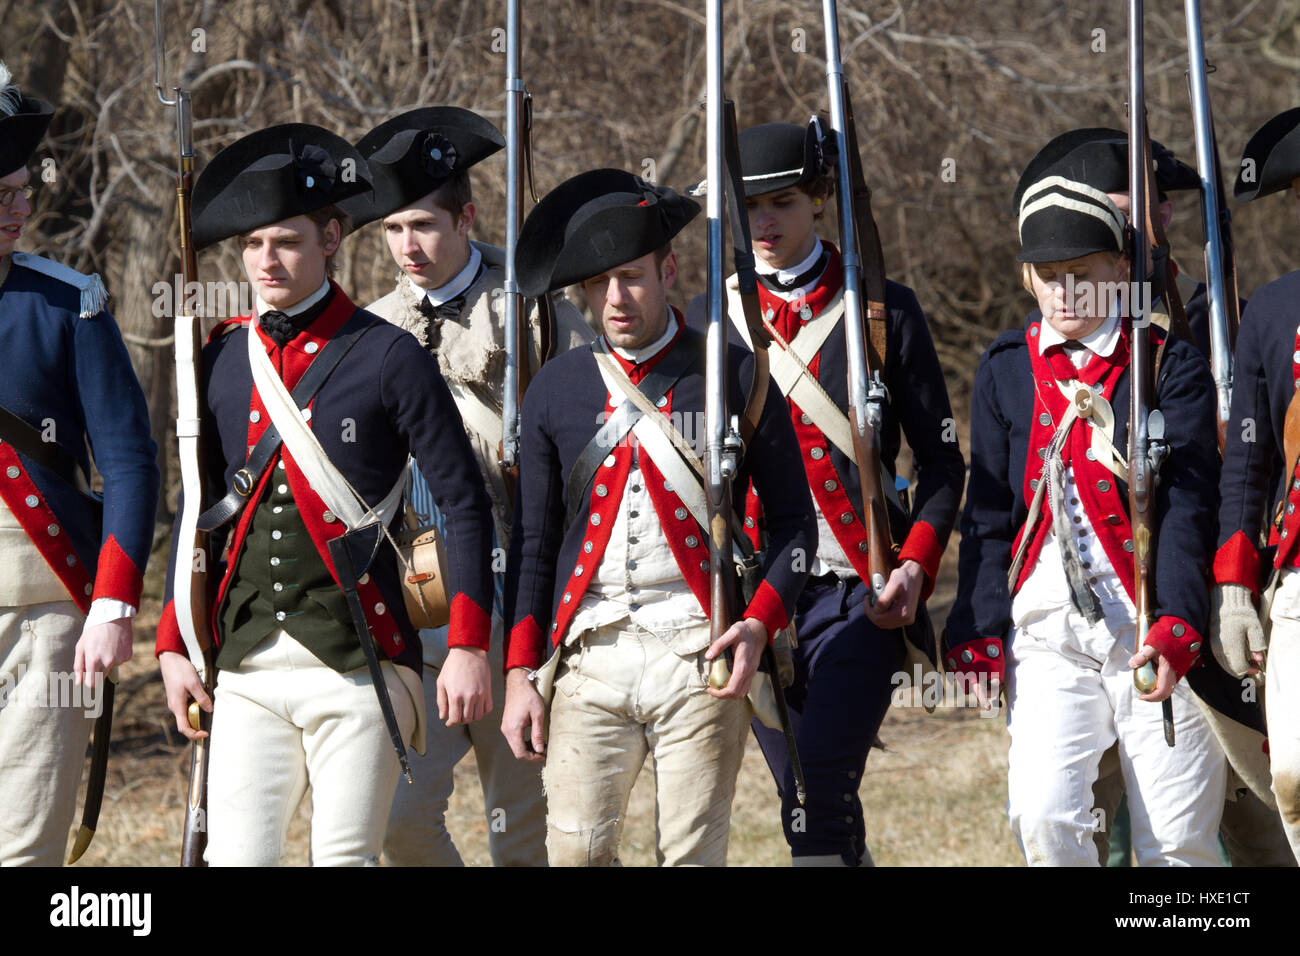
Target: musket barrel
x=1207 y=165
x=513 y=300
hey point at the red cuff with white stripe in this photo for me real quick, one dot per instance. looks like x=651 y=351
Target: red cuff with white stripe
x=1237 y=562
x=768 y=609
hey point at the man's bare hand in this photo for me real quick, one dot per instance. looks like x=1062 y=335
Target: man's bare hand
x=1165 y=676
x=746 y=638
x=897 y=604
x=523 y=721
x=100 y=648
x=182 y=684
x=464 y=686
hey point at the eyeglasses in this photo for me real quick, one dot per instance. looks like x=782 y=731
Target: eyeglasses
x=7 y=196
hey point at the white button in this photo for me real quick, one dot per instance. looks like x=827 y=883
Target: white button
x=279 y=615
x=306 y=414
x=601 y=491
x=12 y=471
x=379 y=608
x=328 y=517
x=277 y=509
x=275 y=536
x=661 y=401
x=609 y=461
x=364 y=579
x=595 y=519
x=275 y=562
x=817 y=454
x=88 y=589
x=311 y=348
x=72 y=560
x=282 y=488
x=254 y=416
x=53 y=530
x=277 y=586
x=280 y=464
x=32 y=501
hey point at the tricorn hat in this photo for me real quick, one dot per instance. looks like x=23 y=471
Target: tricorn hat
x=593 y=222
x=1098 y=156
x=411 y=155
x=271 y=175
x=23 y=122
x=1271 y=157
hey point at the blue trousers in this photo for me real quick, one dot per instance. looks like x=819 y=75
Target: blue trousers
x=841 y=691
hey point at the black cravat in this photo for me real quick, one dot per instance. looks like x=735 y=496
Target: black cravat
x=279 y=326
x=805 y=280
x=450 y=309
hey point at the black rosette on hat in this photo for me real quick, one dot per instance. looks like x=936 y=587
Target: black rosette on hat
x=593 y=222
x=272 y=175
x=1271 y=158
x=1098 y=156
x=411 y=155
x=23 y=122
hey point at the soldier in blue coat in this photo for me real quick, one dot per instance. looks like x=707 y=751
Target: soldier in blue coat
x=1262 y=438
x=608 y=579
x=295 y=702
x=1046 y=574
x=72 y=579
x=850 y=649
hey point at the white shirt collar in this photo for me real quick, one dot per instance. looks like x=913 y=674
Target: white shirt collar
x=647 y=352
x=1101 y=341
x=798 y=269
x=459 y=283
x=299 y=307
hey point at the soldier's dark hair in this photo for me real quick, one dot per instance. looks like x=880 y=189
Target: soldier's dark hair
x=662 y=253
x=321 y=217
x=819 y=187
x=455 y=194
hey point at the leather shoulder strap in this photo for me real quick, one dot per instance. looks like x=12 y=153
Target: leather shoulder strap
x=246 y=478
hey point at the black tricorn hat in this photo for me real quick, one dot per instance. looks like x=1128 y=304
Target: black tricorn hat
x=778 y=155
x=411 y=155
x=271 y=175
x=1272 y=157
x=593 y=222
x=23 y=122
x=1098 y=156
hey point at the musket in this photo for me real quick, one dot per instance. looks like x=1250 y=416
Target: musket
x=862 y=278
x=1220 y=263
x=726 y=435
x=519 y=162
x=1146 y=444
x=190 y=587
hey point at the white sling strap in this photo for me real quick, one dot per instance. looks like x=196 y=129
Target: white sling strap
x=325 y=479
x=789 y=364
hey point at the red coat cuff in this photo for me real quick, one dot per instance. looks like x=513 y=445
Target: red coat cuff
x=116 y=575
x=470 y=625
x=525 y=645
x=923 y=547
x=169 y=633
x=1177 y=642
x=980 y=658
x=768 y=609
x=1237 y=562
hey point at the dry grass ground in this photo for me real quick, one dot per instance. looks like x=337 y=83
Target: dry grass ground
x=934 y=797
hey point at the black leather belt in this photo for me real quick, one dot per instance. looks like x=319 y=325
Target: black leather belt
x=247 y=477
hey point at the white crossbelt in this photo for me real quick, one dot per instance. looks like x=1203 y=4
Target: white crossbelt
x=187 y=442
x=790 y=371
x=325 y=479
